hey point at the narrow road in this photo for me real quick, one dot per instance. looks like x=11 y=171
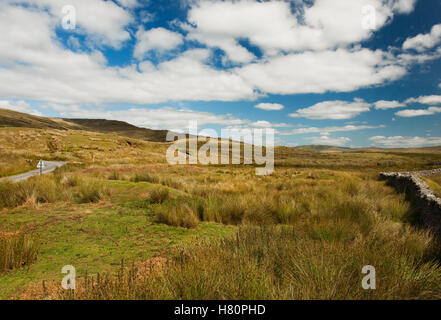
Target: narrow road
x=50 y=166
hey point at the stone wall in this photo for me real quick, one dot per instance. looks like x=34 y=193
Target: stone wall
x=424 y=173
x=428 y=205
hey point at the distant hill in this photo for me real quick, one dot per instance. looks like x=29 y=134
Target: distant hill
x=428 y=150
x=324 y=148
x=121 y=128
x=10 y=118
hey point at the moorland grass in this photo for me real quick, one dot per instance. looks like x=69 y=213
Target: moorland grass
x=156 y=179
x=304 y=233
x=50 y=189
x=12 y=164
x=434 y=182
x=279 y=262
x=159 y=195
x=177 y=214
x=17 y=250
x=21 y=148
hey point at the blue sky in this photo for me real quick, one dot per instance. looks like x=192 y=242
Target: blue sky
x=344 y=72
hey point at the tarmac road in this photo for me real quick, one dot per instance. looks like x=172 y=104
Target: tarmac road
x=50 y=166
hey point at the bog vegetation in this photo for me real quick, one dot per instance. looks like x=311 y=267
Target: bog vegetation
x=135 y=227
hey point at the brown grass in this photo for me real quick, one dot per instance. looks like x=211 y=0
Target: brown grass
x=17 y=250
x=279 y=263
x=434 y=183
x=177 y=214
x=50 y=189
x=299 y=238
x=303 y=233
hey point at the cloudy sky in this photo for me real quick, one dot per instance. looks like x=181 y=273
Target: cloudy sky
x=340 y=72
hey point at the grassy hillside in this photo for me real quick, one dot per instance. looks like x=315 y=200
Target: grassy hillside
x=10 y=118
x=426 y=150
x=23 y=147
x=324 y=148
x=121 y=215
x=299 y=234
x=120 y=128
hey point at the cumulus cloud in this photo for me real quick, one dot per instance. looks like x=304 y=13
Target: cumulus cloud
x=341 y=70
x=335 y=110
x=19 y=106
x=422 y=42
x=326 y=140
x=328 y=130
x=433 y=99
x=160 y=118
x=409 y=113
x=274 y=27
x=270 y=106
x=267 y=124
x=36 y=65
x=384 y=105
x=158 y=39
x=103 y=22
x=405 y=142
x=403 y=6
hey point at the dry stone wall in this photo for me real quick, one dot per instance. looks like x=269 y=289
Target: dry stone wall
x=427 y=204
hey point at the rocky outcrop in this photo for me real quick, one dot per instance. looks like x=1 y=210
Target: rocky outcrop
x=427 y=204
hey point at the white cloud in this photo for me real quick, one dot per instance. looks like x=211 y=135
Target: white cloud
x=434 y=99
x=235 y=52
x=336 y=110
x=36 y=66
x=423 y=42
x=326 y=140
x=61 y=108
x=74 y=43
x=411 y=58
x=128 y=3
x=317 y=72
x=405 y=142
x=270 y=106
x=328 y=130
x=158 y=39
x=103 y=22
x=161 y=118
x=384 y=105
x=403 y=6
x=274 y=27
x=19 y=106
x=409 y=113
x=267 y=124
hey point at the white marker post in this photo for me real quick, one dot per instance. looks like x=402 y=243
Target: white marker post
x=40 y=166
